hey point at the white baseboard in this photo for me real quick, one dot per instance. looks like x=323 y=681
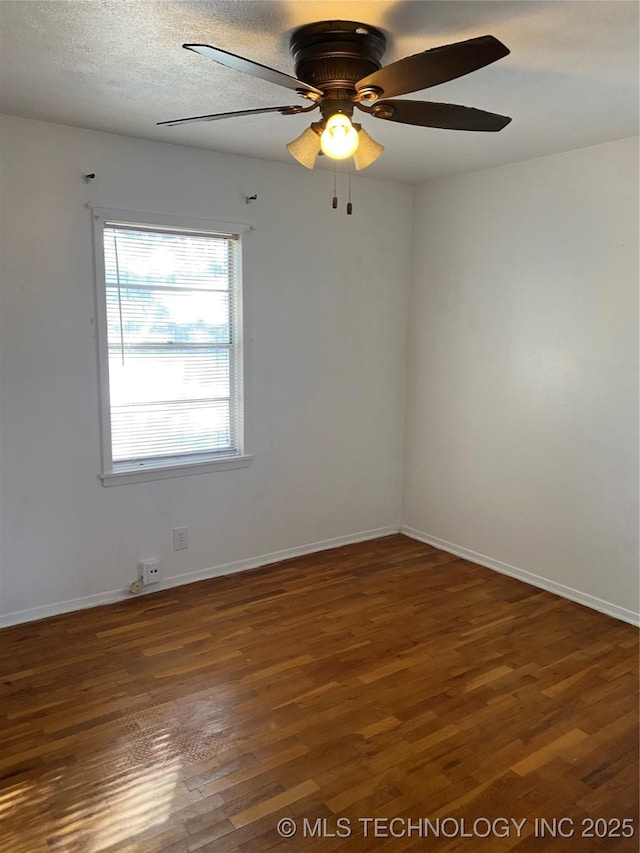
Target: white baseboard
x=112 y=596
x=528 y=577
x=58 y=607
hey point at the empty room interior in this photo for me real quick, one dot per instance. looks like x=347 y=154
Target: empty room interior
x=319 y=426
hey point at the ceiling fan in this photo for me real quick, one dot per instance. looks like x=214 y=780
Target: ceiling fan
x=337 y=66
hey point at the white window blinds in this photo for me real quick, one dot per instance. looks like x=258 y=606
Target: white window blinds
x=171 y=337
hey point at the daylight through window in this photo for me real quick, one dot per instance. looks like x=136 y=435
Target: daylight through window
x=172 y=327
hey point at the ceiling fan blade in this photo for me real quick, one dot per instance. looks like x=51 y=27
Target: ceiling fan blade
x=438 y=65
x=239 y=63
x=296 y=108
x=432 y=114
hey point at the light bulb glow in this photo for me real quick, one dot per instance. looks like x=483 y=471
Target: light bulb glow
x=339 y=138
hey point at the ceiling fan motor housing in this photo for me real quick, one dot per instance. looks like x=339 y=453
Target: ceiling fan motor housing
x=334 y=55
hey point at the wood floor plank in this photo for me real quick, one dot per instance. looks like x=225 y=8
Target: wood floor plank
x=384 y=679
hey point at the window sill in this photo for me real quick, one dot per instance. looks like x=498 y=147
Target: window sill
x=143 y=474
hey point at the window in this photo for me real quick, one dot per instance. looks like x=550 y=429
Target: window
x=169 y=335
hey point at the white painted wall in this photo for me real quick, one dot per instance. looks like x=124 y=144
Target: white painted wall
x=326 y=303
x=521 y=433
x=522 y=417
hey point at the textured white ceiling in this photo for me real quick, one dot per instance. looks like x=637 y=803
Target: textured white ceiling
x=118 y=66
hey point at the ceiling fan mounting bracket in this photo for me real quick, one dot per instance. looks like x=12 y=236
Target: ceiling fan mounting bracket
x=368 y=94
x=336 y=54
x=382 y=110
x=295 y=109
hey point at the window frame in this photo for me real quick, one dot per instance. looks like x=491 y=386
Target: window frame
x=141 y=470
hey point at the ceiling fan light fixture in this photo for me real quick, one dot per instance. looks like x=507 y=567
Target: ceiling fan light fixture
x=338 y=67
x=339 y=139
x=367 y=151
x=306 y=147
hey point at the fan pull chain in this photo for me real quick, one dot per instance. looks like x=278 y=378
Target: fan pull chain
x=334 y=200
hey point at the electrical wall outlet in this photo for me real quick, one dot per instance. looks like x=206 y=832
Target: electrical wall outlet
x=149 y=571
x=180 y=538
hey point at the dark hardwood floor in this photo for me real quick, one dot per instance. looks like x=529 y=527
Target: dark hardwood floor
x=382 y=680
